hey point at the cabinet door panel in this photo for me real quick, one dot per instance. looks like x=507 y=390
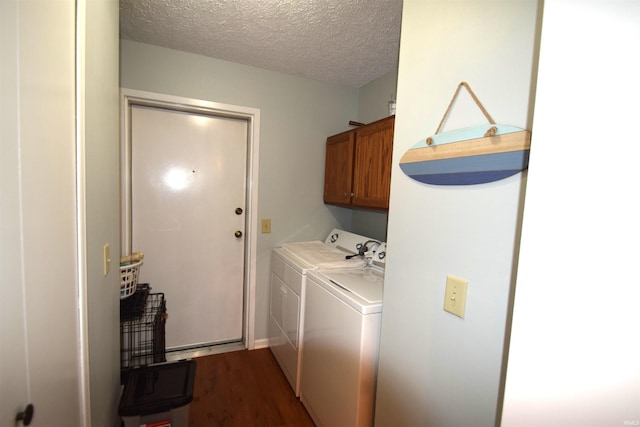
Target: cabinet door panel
x=339 y=168
x=372 y=171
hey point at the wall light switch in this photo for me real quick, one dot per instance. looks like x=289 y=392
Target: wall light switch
x=106 y=252
x=266 y=225
x=455 y=296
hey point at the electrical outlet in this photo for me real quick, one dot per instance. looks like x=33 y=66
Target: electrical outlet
x=266 y=225
x=455 y=296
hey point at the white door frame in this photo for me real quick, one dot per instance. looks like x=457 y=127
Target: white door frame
x=130 y=97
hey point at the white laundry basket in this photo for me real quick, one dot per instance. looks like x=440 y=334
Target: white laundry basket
x=129 y=279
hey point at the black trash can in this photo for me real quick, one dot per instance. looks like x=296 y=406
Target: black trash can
x=158 y=395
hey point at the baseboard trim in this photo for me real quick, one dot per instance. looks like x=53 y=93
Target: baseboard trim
x=261 y=343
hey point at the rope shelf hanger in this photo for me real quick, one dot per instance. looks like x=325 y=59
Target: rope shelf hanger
x=490 y=132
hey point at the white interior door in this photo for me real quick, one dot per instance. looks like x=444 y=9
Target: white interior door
x=14 y=395
x=41 y=345
x=188 y=185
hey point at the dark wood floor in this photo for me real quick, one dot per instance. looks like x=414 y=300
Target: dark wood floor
x=244 y=388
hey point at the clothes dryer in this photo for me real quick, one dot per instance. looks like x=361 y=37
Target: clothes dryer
x=290 y=265
x=343 y=312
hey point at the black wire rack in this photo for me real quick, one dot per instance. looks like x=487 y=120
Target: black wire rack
x=142 y=329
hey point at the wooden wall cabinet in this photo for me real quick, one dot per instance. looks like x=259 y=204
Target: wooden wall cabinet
x=358 y=166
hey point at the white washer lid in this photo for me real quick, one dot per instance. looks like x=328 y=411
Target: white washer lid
x=322 y=255
x=366 y=283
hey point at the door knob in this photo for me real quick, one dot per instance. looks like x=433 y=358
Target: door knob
x=238 y=211
x=25 y=416
x=238 y=234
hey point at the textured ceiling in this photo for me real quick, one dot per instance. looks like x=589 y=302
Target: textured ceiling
x=350 y=42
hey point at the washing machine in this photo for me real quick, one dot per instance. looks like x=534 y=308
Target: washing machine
x=290 y=265
x=341 y=337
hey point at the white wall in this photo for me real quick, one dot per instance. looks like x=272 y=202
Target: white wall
x=296 y=115
x=102 y=164
x=574 y=347
x=437 y=369
x=373 y=98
